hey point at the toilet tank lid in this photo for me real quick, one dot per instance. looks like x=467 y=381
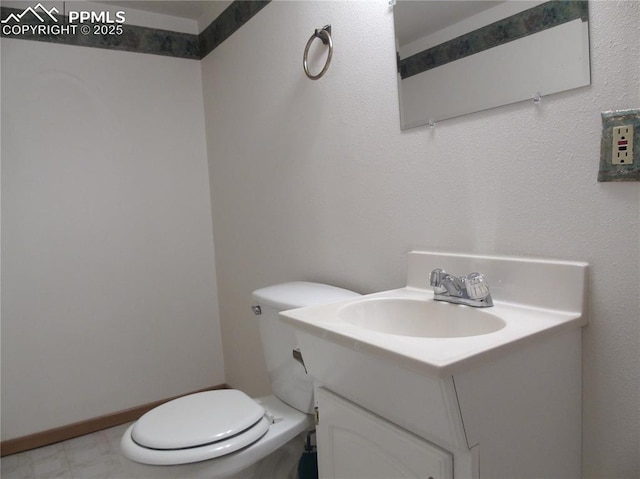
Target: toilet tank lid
x=299 y=294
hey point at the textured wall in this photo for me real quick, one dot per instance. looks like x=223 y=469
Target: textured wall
x=108 y=286
x=315 y=181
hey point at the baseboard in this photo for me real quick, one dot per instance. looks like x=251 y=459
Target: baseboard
x=62 y=433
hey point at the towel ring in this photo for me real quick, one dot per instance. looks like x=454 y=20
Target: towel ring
x=323 y=34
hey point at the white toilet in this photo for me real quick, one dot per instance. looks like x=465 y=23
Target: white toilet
x=218 y=434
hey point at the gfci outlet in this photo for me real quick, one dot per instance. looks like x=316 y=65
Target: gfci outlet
x=622 y=145
x=618 y=160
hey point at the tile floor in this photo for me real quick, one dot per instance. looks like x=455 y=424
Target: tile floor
x=94 y=456
x=97 y=456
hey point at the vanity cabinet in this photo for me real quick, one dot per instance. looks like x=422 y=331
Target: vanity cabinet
x=409 y=388
x=516 y=416
x=355 y=443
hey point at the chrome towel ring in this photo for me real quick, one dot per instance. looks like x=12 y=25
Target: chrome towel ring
x=323 y=34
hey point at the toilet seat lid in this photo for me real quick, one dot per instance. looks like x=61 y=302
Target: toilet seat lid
x=198 y=419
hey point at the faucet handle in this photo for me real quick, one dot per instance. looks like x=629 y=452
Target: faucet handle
x=477 y=287
x=436 y=277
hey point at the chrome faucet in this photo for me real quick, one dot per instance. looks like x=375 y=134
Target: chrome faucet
x=471 y=290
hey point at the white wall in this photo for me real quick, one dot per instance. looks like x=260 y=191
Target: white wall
x=314 y=180
x=108 y=283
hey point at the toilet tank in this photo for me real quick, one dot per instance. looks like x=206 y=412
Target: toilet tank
x=289 y=380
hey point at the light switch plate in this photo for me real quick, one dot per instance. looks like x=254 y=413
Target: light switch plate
x=613 y=170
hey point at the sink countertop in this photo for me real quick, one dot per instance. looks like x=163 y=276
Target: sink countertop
x=438 y=357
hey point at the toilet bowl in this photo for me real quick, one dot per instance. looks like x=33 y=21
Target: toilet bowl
x=219 y=434
x=285 y=424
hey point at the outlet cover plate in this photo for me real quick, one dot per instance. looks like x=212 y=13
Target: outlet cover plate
x=613 y=172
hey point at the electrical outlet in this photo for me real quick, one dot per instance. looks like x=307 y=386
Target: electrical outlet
x=622 y=145
x=618 y=159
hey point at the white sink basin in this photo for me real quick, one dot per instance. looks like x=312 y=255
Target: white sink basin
x=533 y=298
x=419 y=318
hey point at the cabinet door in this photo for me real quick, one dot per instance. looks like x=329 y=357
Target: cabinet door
x=354 y=443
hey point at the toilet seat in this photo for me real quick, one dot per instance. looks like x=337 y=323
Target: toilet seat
x=197 y=419
x=198 y=427
x=287 y=423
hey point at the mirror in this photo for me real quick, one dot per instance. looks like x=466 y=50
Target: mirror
x=459 y=57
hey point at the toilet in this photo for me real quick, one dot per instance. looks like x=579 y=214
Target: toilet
x=222 y=433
